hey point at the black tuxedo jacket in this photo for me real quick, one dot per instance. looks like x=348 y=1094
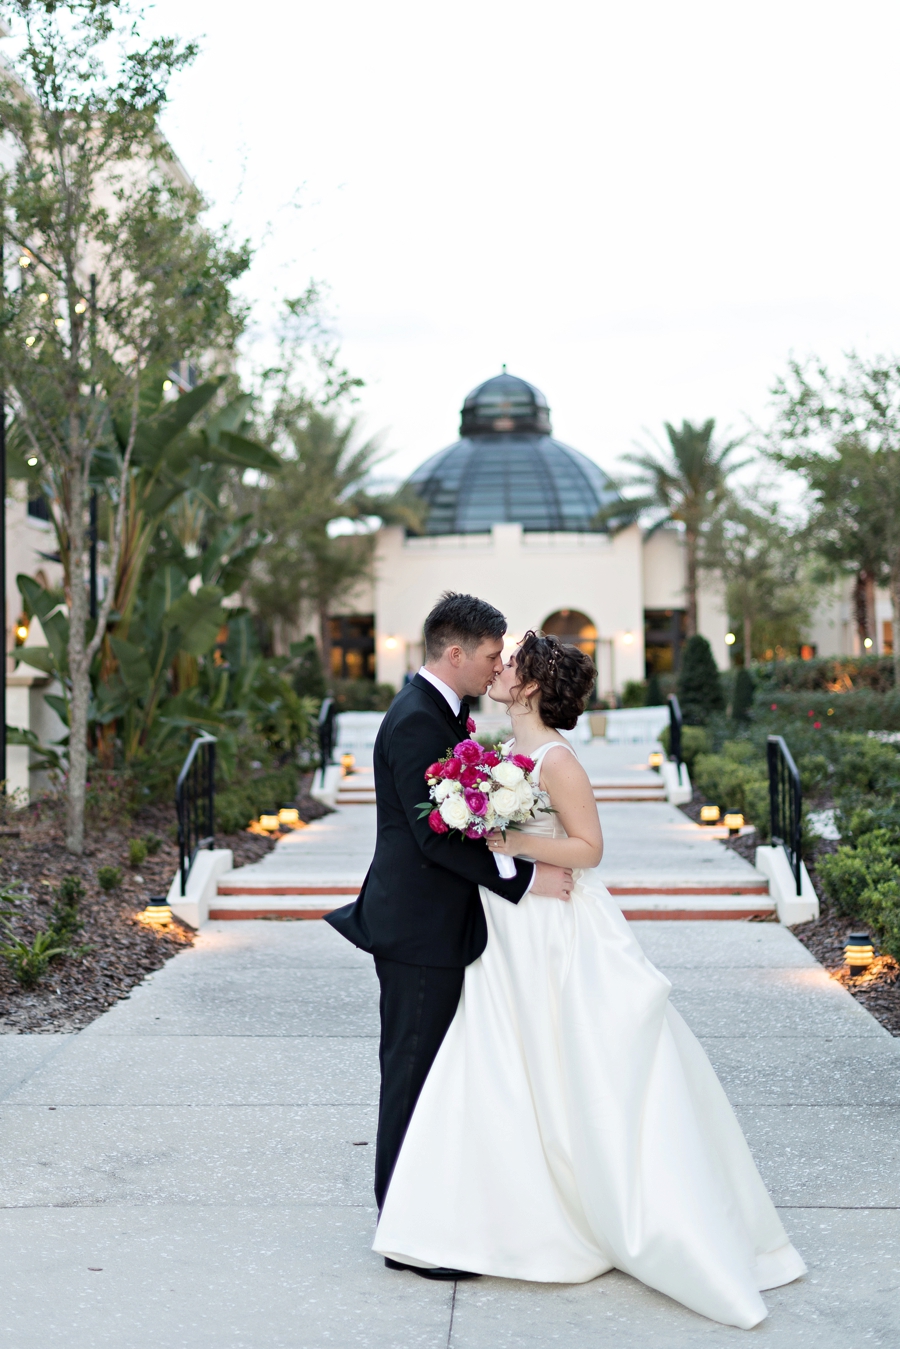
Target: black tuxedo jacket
x=419 y=903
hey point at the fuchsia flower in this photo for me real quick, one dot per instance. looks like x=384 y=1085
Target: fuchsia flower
x=490 y=759
x=523 y=762
x=476 y=801
x=472 y=832
x=451 y=769
x=470 y=777
x=435 y=770
x=470 y=726
x=817 y=725
x=469 y=751
x=437 y=824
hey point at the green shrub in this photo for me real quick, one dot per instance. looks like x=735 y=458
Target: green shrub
x=153 y=843
x=109 y=878
x=634 y=693
x=307 y=675
x=240 y=801
x=867 y=765
x=362 y=695
x=654 y=696
x=699 y=684
x=864 y=883
x=28 y=961
x=829 y=674
x=64 y=919
x=137 y=852
x=742 y=694
x=858 y=710
x=694 y=741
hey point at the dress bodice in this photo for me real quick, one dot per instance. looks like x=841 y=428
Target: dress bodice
x=546 y=824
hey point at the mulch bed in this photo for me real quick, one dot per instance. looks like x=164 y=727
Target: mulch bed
x=879 y=988
x=122 y=950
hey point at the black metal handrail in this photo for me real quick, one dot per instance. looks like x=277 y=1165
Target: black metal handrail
x=326 y=728
x=785 y=803
x=676 y=722
x=195 y=802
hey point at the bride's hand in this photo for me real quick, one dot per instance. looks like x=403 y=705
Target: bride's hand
x=509 y=846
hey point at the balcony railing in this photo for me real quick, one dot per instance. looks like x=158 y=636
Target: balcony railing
x=327 y=729
x=195 y=802
x=786 y=803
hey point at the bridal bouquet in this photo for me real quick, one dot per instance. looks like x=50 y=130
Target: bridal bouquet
x=474 y=790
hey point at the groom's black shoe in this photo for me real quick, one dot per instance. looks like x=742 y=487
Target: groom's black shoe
x=439 y=1273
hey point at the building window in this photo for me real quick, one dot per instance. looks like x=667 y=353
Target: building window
x=664 y=635
x=39 y=508
x=352 y=646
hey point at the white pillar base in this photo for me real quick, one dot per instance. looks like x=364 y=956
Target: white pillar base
x=328 y=790
x=677 y=784
x=792 y=908
x=203 y=881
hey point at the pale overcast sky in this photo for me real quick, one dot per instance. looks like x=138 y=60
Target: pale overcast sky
x=641 y=208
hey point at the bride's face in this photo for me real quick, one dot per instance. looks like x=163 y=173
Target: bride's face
x=504 y=688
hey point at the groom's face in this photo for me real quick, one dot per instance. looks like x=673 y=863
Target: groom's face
x=477 y=670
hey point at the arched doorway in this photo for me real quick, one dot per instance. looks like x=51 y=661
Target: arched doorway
x=575 y=629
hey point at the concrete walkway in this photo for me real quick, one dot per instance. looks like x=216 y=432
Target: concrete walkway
x=193 y=1171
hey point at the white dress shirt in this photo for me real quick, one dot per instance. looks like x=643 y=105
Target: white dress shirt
x=505 y=865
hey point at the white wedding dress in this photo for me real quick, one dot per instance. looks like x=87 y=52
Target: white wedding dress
x=572 y=1124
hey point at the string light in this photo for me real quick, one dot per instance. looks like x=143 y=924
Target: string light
x=730 y=639
x=59 y=322
x=43 y=297
x=81 y=306
x=30 y=341
x=24 y=261
x=32 y=461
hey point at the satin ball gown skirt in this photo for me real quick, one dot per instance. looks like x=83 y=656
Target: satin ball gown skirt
x=572 y=1124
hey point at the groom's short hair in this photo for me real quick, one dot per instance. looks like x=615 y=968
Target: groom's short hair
x=461 y=620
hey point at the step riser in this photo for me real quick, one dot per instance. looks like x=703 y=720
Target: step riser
x=750 y=891
x=633 y=915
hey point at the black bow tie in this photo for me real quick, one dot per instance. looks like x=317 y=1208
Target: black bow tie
x=464 y=714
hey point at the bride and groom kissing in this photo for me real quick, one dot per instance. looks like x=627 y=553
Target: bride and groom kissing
x=545 y=1114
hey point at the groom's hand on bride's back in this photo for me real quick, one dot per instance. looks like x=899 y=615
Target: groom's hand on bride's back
x=552 y=882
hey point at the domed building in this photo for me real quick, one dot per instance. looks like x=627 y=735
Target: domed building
x=529 y=523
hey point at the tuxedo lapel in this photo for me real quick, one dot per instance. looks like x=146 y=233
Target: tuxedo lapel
x=439 y=701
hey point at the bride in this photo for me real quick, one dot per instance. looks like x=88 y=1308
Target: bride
x=571 y=1123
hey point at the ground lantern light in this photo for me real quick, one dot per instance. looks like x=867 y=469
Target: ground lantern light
x=347 y=763
x=289 y=818
x=858 y=953
x=709 y=814
x=656 y=759
x=157 y=912
x=734 y=822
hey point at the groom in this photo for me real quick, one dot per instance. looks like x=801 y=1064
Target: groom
x=419 y=912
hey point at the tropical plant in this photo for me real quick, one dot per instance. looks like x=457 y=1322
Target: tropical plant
x=842 y=435
x=29 y=960
x=109 y=877
x=118 y=280
x=685 y=484
x=764 y=564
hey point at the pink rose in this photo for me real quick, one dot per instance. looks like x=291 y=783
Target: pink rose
x=476 y=801
x=437 y=824
x=468 y=750
x=491 y=759
x=522 y=761
x=451 y=769
x=470 y=726
x=469 y=777
x=473 y=832
x=435 y=770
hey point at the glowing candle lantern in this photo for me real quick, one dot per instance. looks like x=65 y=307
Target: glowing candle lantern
x=347 y=763
x=157 y=912
x=656 y=759
x=288 y=818
x=269 y=823
x=858 y=953
x=709 y=814
x=733 y=822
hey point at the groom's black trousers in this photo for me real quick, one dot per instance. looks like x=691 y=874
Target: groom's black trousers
x=418 y=1002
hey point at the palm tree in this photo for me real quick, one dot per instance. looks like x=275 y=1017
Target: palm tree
x=687 y=485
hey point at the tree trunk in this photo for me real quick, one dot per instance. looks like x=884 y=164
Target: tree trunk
x=864 y=610
x=691 y=582
x=748 y=638
x=895 y=614
x=325 y=641
x=79 y=672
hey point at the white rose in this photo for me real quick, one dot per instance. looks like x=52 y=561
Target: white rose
x=446 y=787
x=505 y=802
x=507 y=774
x=489 y=817
x=454 y=811
x=525 y=796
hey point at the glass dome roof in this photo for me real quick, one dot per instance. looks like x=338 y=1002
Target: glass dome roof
x=507 y=468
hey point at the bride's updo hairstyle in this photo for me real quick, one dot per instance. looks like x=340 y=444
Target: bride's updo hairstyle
x=564 y=676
